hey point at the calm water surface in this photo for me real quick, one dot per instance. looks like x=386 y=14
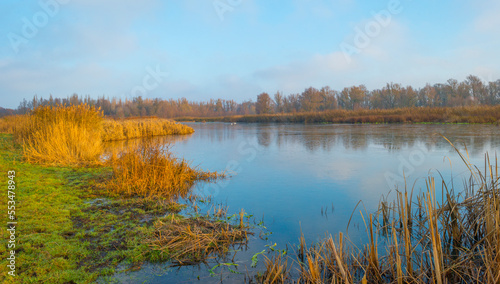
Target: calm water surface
x=309 y=178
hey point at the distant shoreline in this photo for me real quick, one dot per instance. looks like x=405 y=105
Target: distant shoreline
x=431 y=115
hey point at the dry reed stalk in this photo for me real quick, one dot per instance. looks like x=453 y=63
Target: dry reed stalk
x=434 y=233
x=277 y=270
x=303 y=247
x=242 y=214
x=313 y=272
x=399 y=270
x=338 y=257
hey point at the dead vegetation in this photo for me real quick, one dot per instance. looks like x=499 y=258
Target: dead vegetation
x=189 y=241
x=438 y=236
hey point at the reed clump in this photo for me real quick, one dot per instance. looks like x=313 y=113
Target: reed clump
x=66 y=135
x=189 y=241
x=114 y=130
x=73 y=135
x=151 y=170
x=438 y=236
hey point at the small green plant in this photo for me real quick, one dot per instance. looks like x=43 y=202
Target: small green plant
x=228 y=265
x=255 y=258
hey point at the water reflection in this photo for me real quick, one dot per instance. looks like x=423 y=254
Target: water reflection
x=309 y=178
x=123 y=144
x=359 y=137
x=298 y=169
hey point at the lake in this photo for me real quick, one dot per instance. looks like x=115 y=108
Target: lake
x=309 y=178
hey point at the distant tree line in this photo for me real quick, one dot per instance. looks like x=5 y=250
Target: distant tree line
x=471 y=91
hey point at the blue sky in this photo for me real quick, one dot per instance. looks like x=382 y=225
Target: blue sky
x=235 y=49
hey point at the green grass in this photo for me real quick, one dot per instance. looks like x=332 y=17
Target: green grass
x=67 y=231
x=44 y=207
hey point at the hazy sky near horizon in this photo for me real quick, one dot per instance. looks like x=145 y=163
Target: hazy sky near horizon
x=235 y=49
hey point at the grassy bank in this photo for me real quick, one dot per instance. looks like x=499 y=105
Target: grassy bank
x=477 y=114
x=50 y=247
x=72 y=229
